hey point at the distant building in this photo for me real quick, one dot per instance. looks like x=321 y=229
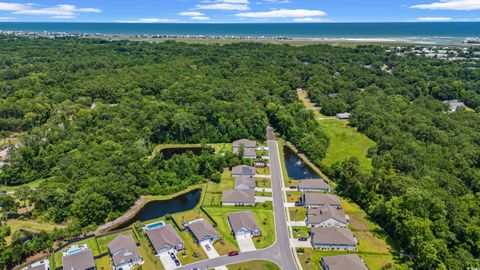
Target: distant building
x=343 y=116
x=314 y=185
x=78 y=258
x=454 y=105
x=124 y=252
x=39 y=265
x=315 y=200
x=238 y=197
x=243 y=224
x=202 y=230
x=243 y=170
x=333 y=238
x=164 y=239
x=243 y=144
x=249 y=153
x=300 y=91
x=244 y=182
x=343 y=262
x=326 y=216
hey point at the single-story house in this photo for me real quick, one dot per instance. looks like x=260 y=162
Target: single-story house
x=314 y=185
x=343 y=262
x=239 y=197
x=244 y=182
x=333 y=238
x=243 y=170
x=250 y=153
x=243 y=224
x=326 y=216
x=164 y=238
x=124 y=252
x=454 y=105
x=202 y=230
x=39 y=265
x=243 y=143
x=82 y=260
x=343 y=116
x=315 y=199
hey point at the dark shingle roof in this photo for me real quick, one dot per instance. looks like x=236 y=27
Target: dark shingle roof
x=79 y=261
x=123 y=249
x=238 y=196
x=344 y=262
x=164 y=237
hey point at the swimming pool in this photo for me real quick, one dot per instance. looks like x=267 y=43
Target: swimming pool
x=74 y=249
x=155 y=225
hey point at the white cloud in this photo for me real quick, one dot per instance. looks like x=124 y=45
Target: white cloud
x=148 y=20
x=13 y=6
x=7 y=19
x=308 y=19
x=451 y=5
x=283 y=13
x=59 y=11
x=228 y=1
x=274 y=2
x=224 y=6
x=200 y=18
x=434 y=19
x=191 y=13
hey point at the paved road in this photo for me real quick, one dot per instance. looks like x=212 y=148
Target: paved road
x=280 y=252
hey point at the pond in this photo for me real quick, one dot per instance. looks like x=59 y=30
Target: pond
x=157 y=209
x=168 y=153
x=296 y=168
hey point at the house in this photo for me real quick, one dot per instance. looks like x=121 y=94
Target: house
x=243 y=170
x=249 y=153
x=343 y=262
x=78 y=258
x=343 y=116
x=239 y=197
x=300 y=91
x=39 y=265
x=333 y=238
x=124 y=252
x=202 y=230
x=454 y=105
x=243 y=224
x=164 y=239
x=314 y=185
x=315 y=199
x=244 y=182
x=243 y=143
x=326 y=216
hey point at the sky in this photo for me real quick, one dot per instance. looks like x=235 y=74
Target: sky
x=238 y=11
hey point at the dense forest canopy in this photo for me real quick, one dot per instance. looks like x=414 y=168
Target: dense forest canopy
x=92 y=112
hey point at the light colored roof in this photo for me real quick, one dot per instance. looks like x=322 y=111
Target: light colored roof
x=314 y=184
x=248 y=181
x=238 y=195
x=202 y=229
x=333 y=236
x=344 y=262
x=244 y=219
x=243 y=170
x=123 y=249
x=343 y=115
x=324 y=213
x=315 y=198
x=164 y=237
x=79 y=261
x=245 y=143
x=249 y=152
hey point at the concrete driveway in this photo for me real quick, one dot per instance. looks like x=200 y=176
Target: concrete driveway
x=212 y=253
x=263 y=189
x=297 y=223
x=294 y=243
x=167 y=262
x=245 y=243
x=260 y=199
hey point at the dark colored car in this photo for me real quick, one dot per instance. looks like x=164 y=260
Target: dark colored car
x=298 y=203
x=233 y=253
x=303 y=239
x=293 y=187
x=177 y=262
x=172 y=255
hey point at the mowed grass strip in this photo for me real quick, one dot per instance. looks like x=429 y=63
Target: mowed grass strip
x=253 y=265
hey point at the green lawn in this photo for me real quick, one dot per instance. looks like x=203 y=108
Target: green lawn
x=226 y=182
x=91 y=243
x=33 y=184
x=263 y=194
x=264 y=183
x=29 y=225
x=103 y=263
x=105 y=240
x=297 y=213
x=253 y=265
x=300 y=231
x=265 y=171
x=294 y=196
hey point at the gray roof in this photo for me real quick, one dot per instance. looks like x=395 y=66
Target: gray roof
x=248 y=181
x=324 y=213
x=313 y=198
x=202 y=229
x=123 y=249
x=164 y=237
x=79 y=261
x=245 y=219
x=245 y=143
x=314 y=184
x=39 y=266
x=333 y=236
x=249 y=152
x=343 y=115
x=243 y=170
x=453 y=105
x=238 y=196
x=344 y=262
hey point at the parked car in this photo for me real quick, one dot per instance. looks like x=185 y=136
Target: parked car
x=303 y=239
x=207 y=246
x=172 y=255
x=299 y=203
x=177 y=262
x=233 y=253
x=293 y=187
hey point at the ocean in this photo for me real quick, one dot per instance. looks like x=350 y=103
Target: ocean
x=437 y=32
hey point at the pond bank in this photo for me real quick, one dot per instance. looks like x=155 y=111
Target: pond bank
x=307 y=161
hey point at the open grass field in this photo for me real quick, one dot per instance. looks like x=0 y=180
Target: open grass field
x=226 y=182
x=33 y=185
x=264 y=183
x=253 y=265
x=29 y=225
x=297 y=213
